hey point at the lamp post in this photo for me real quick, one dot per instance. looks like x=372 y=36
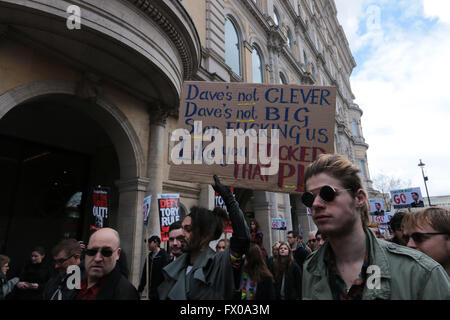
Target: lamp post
x=425 y=179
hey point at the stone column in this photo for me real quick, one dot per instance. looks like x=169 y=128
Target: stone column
x=155 y=166
x=130 y=223
x=262 y=209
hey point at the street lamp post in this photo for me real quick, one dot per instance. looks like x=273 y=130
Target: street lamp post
x=425 y=179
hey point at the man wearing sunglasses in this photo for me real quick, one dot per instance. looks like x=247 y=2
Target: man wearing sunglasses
x=353 y=264
x=103 y=280
x=428 y=230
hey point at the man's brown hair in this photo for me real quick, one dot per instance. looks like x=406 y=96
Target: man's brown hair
x=436 y=217
x=342 y=169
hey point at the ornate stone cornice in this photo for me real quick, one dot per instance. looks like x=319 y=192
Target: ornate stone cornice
x=159 y=113
x=159 y=14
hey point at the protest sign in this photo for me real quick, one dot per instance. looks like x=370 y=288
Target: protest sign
x=168 y=204
x=278 y=224
x=407 y=198
x=254 y=136
x=384 y=219
x=100 y=208
x=376 y=206
x=146 y=209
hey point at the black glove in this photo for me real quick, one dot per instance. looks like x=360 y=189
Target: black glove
x=223 y=191
x=240 y=240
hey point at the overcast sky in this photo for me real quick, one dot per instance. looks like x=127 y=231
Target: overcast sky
x=402 y=84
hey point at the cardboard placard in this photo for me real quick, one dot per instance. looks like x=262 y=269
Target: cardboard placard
x=169 y=212
x=376 y=206
x=407 y=198
x=304 y=117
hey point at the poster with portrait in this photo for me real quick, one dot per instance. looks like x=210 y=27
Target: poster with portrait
x=146 y=205
x=407 y=198
x=376 y=207
x=169 y=212
x=279 y=224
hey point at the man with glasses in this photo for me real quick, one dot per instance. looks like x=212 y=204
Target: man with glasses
x=103 y=280
x=66 y=253
x=353 y=264
x=428 y=230
x=312 y=241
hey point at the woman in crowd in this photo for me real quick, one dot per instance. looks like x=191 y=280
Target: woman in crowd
x=36 y=273
x=257 y=236
x=257 y=281
x=288 y=274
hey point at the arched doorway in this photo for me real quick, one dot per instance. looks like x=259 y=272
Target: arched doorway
x=55 y=148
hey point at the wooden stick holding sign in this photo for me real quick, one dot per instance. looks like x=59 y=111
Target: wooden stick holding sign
x=146 y=213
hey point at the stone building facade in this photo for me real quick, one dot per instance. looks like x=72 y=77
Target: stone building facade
x=94 y=105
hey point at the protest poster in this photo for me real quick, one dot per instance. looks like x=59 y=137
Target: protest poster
x=278 y=224
x=407 y=198
x=221 y=131
x=146 y=209
x=384 y=219
x=168 y=205
x=100 y=208
x=376 y=206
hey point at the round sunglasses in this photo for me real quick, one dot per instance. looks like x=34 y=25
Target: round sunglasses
x=326 y=193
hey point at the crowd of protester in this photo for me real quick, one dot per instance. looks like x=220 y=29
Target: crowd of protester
x=333 y=263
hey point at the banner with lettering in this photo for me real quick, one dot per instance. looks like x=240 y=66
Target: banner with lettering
x=169 y=208
x=254 y=136
x=407 y=198
x=100 y=208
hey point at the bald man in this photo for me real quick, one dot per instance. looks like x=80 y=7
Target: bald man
x=103 y=280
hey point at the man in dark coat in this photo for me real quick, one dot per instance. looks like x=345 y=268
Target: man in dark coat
x=66 y=253
x=157 y=260
x=103 y=279
x=201 y=273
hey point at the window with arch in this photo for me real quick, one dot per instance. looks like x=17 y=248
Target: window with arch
x=232 y=47
x=276 y=17
x=289 y=39
x=283 y=79
x=257 y=66
x=355 y=128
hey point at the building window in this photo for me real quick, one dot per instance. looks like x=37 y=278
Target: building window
x=232 y=47
x=256 y=2
x=363 y=168
x=257 y=69
x=289 y=39
x=283 y=79
x=355 y=128
x=276 y=17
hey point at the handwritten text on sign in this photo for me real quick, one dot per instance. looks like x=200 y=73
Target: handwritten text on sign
x=301 y=116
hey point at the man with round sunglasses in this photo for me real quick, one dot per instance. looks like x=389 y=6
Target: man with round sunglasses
x=353 y=264
x=428 y=230
x=103 y=280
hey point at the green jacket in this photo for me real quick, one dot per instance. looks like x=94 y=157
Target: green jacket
x=405 y=274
